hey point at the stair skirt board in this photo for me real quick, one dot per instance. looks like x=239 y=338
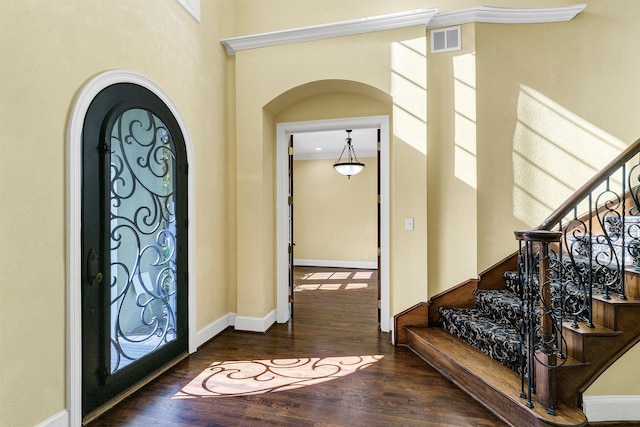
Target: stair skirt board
x=488 y=381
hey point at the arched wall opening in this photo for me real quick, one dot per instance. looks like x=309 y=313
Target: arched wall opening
x=321 y=106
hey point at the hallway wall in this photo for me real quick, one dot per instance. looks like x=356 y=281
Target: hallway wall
x=335 y=218
x=49 y=51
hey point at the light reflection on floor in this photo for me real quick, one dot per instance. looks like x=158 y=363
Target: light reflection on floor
x=241 y=378
x=327 y=276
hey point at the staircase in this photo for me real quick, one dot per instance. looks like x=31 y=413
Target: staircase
x=530 y=335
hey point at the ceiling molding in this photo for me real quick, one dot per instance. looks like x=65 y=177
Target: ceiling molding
x=326 y=31
x=191 y=6
x=502 y=15
x=428 y=17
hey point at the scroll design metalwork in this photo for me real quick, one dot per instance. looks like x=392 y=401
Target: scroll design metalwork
x=142 y=237
x=598 y=231
x=542 y=342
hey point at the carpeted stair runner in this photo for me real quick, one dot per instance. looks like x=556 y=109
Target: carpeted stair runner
x=492 y=327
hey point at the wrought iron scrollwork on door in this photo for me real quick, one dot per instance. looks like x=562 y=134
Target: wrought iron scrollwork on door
x=142 y=236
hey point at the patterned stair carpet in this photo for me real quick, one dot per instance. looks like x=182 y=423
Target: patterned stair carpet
x=491 y=327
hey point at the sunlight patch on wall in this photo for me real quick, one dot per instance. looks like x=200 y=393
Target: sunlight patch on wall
x=464 y=71
x=408 y=88
x=554 y=153
x=249 y=377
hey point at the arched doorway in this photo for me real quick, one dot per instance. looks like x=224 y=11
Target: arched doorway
x=76 y=264
x=134 y=241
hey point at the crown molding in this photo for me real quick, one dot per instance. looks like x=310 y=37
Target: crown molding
x=502 y=15
x=428 y=17
x=326 y=31
x=191 y=6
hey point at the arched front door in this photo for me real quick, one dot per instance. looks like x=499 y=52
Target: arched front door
x=134 y=241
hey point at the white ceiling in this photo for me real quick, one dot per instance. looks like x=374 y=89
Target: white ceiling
x=329 y=144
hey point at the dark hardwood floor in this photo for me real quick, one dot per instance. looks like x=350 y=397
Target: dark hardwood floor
x=330 y=366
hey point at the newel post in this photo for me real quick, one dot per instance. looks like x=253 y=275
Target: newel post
x=538 y=328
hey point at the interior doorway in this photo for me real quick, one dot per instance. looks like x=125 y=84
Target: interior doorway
x=284 y=130
x=335 y=217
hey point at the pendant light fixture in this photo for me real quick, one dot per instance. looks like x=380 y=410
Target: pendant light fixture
x=351 y=165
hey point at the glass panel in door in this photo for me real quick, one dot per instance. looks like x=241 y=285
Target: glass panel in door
x=142 y=237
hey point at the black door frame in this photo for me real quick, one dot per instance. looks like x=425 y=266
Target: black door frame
x=74 y=266
x=99 y=386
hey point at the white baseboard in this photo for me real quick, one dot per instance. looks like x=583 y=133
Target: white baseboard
x=369 y=265
x=213 y=329
x=241 y=323
x=611 y=408
x=61 y=419
x=255 y=324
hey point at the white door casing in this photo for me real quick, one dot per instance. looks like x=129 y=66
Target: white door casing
x=283 y=130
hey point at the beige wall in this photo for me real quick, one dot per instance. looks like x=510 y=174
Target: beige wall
x=620 y=379
x=287 y=14
x=549 y=98
x=284 y=68
x=452 y=165
x=49 y=50
x=553 y=103
x=335 y=218
x=552 y=117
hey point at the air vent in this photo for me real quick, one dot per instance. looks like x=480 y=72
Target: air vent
x=445 y=40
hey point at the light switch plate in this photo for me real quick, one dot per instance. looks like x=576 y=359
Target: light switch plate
x=408 y=224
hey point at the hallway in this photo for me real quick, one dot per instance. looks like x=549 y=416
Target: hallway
x=331 y=366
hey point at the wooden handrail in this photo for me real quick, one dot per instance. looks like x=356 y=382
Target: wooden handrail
x=589 y=186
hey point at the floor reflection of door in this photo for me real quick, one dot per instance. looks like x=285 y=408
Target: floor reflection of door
x=134 y=302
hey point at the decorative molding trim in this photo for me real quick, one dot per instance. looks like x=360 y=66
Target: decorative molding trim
x=61 y=419
x=369 y=265
x=611 y=408
x=326 y=31
x=255 y=324
x=213 y=329
x=428 y=17
x=503 y=15
x=191 y=6
x=73 y=169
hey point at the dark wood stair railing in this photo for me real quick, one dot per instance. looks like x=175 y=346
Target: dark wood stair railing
x=588 y=311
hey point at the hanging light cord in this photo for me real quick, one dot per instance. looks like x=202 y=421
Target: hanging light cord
x=350 y=152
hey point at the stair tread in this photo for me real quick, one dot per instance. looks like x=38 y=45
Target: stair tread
x=495 y=338
x=499 y=378
x=615 y=299
x=596 y=330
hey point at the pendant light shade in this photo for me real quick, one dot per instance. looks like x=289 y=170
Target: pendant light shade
x=350 y=165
